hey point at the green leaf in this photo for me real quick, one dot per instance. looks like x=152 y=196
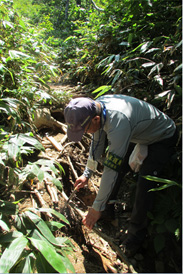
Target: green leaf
x=145 y=46
x=50 y=254
x=18 y=54
x=68 y=264
x=13 y=151
x=171 y=225
x=167 y=183
x=26 y=138
x=159 y=80
x=4 y=226
x=9 y=256
x=127 y=44
x=149 y=64
x=42 y=227
x=178 y=69
x=57 y=183
x=10 y=236
x=159 y=243
x=42 y=266
x=55 y=213
x=26 y=265
x=101 y=90
x=8 y=208
x=2 y=163
x=40 y=175
x=54 y=225
x=156 y=68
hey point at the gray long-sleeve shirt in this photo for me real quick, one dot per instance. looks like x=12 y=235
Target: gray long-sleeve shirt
x=127 y=120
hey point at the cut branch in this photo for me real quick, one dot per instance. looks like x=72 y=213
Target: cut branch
x=54 y=143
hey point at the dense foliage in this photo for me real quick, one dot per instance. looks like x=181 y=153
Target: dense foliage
x=130 y=47
x=26 y=66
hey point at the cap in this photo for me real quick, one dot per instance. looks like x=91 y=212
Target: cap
x=78 y=113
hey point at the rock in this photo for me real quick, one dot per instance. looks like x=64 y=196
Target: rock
x=42 y=118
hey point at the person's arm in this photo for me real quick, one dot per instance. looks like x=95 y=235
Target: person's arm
x=96 y=149
x=119 y=138
x=95 y=152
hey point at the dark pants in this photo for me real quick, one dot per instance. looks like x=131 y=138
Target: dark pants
x=158 y=155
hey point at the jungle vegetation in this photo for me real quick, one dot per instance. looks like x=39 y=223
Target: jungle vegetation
x=129 y=47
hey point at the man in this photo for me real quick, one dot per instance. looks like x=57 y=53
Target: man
x=123 y=120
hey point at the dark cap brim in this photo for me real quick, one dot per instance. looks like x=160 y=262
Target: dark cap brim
x=75 y=136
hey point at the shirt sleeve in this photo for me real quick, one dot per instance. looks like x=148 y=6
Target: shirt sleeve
x=119 y=132
x=96 y=149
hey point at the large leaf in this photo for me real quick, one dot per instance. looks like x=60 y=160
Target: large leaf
x=102 y=90
x=42 y=227
x=55 y=213
x=10 y=236
x=4 y=225
x=50 y=165
x=13 y=151
x=50 y=254
x=27 y=265
x=42 y=265
x=31 y=140
x=167 y=183
x=12 y=254
x=18 y=54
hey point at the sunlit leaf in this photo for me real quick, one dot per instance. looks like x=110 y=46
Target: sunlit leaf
x=31 y=140
x=9 y=256
x=178 y=68
x=54 y=225
x=159 y=80
x=127 y=44
x=55 y=213
x=42 y=226
x=102 y=90
x=156 y=68
x=18 y=54
x=149 y=64
x=7 y=24
x=162 y=94
x=4 y=225
x=145 y=46
x=26 y=265
x=152 y=50
x=50 y=254
x=42 y=265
